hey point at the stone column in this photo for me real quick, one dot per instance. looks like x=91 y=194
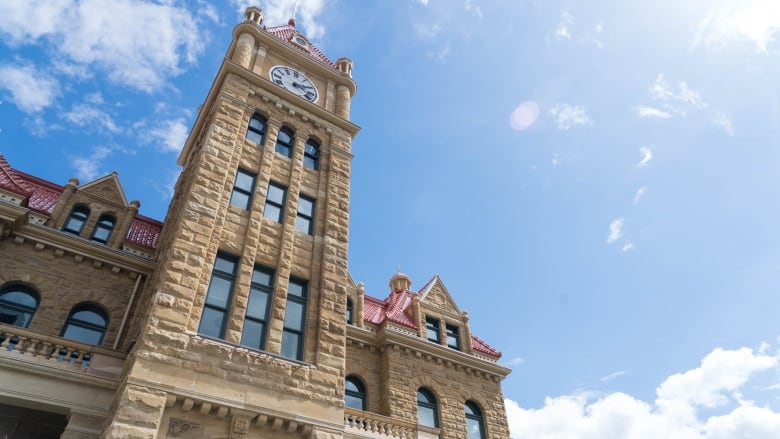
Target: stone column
x=136 y=413
x=243 y=54
x=82 y=426
x=342 y=101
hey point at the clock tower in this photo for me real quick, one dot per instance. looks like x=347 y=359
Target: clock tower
x=241 y=329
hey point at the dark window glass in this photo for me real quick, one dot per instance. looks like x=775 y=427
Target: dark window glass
x=427 y=411
x=103 y=229
x=304 y=220
x=256 y=130
x=475 y=427
x=349 y=311
x=218 y=296
x=453 y=336
x=311 y=154
x=354 y=393
x=294 y=320
x=241 y=196
x=76 y=220
x=432 y=329
x=86 y=323
x=284 y=142
x=274 y=202
x=260 y=291
x=17 y=305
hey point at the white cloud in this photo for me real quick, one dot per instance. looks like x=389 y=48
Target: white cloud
x=427 y=31
x=723 y=123
x=647 y=155
x=143 y=48
x=639 y=194
x=612 y=376
x=674 y=414
x=31 y=90
x=278 y=12
x=88 y=168
x=615 y=230
x=627 y=247
x=563 y=31
x=755 y=22
x=570 y=116
x=440 y=55
x=423 y=2
x=168 y=135
x=83 y=115
x=644 y=111
x=515 y=361
x=524 y=115
x=671 y=97
x=475 y=10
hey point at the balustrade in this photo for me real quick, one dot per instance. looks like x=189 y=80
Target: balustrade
x=373 y=425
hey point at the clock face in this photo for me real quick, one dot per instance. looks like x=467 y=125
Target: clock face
x=294 y=81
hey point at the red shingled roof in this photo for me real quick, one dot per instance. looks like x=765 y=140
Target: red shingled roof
x=396 y=308
x=42 y=196
x=287 y=32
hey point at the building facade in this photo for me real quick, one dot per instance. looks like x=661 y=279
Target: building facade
x=236 y=317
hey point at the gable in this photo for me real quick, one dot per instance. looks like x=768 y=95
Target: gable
x=106 y=188
x=435 y=295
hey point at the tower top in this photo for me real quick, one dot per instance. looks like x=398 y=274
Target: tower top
x=400 y=282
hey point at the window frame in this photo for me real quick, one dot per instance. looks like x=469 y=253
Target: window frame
x=452 y=332
x=274 y=203
x=74 y=215
x=243 y=191
x=430 y=403
x=475 y=416
x=255 y=131
x=360 y=393
x=313 y=158
x=301 y=332
x=88 y=307
x=350 y=311
x=286 y=147
x=430 y=324
x=303 y=216
x=259 y=288
x=100 y=226
x=20 y=307
x=226 y=276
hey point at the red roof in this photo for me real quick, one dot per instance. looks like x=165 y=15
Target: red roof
x=286 y=34
x=396 y=308
x=42 y=196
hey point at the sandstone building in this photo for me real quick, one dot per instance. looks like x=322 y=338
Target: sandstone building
x=236 y=317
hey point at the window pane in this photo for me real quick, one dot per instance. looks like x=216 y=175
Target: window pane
x=14 y=317
x=272 y=213
x=252 y=334
x=19 y=298
x=240 y=200
x=258 y=304
x=225 y=265
x=351 y=386
x=257 y=124
x=211 y=323
x=293 y=316
x=276 y=194
x=254 y=137
x=245 y=181
x=101 y=234
x=74 y=225
x=219 y=292
x=262 y=277
x=89 y=317
x=309 y=162
x=354 y=402
x=284 y=137
x=290 y=343
x=303 y=225
x=83 y=335
x=283 y=150
x=473 y=428
x=295 y=289
x=306 y=206
x=426 y=416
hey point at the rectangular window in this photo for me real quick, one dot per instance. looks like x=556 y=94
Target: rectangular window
x=243 y=187
x=453 y=336
x=255 y=322
x=304 y=221
x=432 y=328
x=274 y=202
x=218 y=296
x=294 y=319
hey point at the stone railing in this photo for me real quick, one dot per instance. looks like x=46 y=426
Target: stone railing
x=60 y=352
x=366 y=424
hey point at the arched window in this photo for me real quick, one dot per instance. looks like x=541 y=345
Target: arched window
x=349 y=311
x=87 y=323
x=256 y=130
x=17 y=305
x=311 y=154
x=284 y=142
x=103 y=229
x=76 y=220
x=427 y=409
x=354 y=393
x=475 y=426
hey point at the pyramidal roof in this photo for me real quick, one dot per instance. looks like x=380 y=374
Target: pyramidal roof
x=288 y=34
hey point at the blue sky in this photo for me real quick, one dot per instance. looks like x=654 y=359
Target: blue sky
x=596 y=184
